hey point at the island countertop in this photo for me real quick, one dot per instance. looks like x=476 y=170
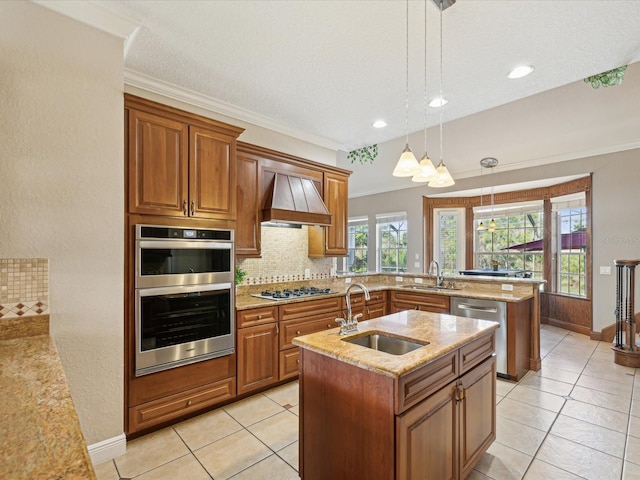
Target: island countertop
x=443 y=332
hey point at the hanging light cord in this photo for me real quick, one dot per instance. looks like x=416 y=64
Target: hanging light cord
x=407 y=78
x=441 y=154
x=425 y=79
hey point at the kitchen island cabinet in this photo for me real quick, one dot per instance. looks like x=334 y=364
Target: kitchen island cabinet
x=427 y=414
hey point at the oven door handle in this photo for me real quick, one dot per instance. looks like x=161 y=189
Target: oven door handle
x=167 y=244
x=182 y=289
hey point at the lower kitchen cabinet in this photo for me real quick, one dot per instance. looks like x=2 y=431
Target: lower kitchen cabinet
x=444 y=436
x=412 y=300
x=375 y=307
x=257 y=348
x=175 y=406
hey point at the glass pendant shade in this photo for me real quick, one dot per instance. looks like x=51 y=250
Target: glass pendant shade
x=407 y=165
x=427 y=170
x=480 y=227
x=443 y=177
x=492 y=226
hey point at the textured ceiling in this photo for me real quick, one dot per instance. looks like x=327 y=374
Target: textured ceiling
x=330 y=68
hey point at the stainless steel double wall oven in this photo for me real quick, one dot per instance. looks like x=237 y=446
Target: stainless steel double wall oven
x=184 y=296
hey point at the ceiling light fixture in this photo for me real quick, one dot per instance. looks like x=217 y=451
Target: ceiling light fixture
x=520 y=71
x=481 y=226
x=379 y=124
x=407 y=165
x=427 y=170
x=443 y=177
x=438 y=102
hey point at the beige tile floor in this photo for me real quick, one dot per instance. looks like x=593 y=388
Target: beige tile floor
x=578 y=417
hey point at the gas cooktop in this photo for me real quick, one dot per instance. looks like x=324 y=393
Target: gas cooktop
x=288 y=294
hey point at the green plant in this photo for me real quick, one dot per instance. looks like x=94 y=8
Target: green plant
x=364 y=154
x=240 y=274
x=608 y=78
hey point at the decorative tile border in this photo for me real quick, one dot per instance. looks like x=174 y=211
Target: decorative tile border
x=24 y=287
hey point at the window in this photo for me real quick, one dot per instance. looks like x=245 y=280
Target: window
x=569 y=244
x=357 y=241
x=392 y=242
x=449 y=240
x=517 y=242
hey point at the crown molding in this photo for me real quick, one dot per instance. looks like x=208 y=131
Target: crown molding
x=93 y=15
x=175 y=92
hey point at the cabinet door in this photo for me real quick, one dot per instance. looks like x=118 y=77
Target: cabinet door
x=336 y=199
x=427 y=438
x=257 y=357
x=212 y=174
x=477 y=414
x=158 y=165
x=248 y=218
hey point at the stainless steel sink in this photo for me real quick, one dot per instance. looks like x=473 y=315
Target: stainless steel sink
x=385 y=343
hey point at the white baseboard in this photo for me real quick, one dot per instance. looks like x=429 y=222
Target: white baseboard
x=108 y=449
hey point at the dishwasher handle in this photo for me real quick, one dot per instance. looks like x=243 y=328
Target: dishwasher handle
x=477 y=308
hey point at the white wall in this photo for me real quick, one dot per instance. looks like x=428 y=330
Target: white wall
x=616 y=210
x=61 y=194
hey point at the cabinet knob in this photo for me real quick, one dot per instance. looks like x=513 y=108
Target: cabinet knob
x=329 y=326
x=184 y=207
x=417 y=307
x=297 y=332
x=298 y=361
x=188 y=403
x=259 y=317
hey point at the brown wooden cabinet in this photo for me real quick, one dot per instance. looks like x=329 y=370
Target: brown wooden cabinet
x=248 y=231
x=303 y=318
x=331 y=241
x=257 y=348
x=411 y=300
x=433 y=423
x=375 y=307
x=179 y=164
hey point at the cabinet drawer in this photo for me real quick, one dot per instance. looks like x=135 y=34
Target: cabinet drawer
x=418 y=385
x=357 y=299
x=256 y=316
x=401 y=306
x=153 y=413
x=424 y=301
x=289 y=363
x=295 y=328
x=375 y=311
x=310 y=307
x=476 y=352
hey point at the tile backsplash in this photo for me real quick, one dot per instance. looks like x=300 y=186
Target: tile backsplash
x=24 y=287
x=284 y=258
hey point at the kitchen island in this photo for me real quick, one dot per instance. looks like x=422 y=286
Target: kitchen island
x=425 y=414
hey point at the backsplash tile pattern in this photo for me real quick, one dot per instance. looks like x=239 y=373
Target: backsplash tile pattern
x=284 y=258
x=24 y=287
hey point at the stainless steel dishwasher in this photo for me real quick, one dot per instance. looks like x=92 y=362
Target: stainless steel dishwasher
x=487 y=310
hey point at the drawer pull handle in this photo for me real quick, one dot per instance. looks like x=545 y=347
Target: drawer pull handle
x=188 y=403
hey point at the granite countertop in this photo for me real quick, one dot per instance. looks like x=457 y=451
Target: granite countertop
x=443 y=332
x=246 y=301
x=41 y=435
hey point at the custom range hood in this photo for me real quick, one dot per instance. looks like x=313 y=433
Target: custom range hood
x=295 y=200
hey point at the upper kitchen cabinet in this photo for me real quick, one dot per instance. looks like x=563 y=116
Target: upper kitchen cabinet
x=277 y=187
x=179 y=164
x=247 y=235
x=331 y=241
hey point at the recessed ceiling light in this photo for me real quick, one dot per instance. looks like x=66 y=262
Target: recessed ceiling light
x=379 y=124
x=521 y=71
x=438 y=102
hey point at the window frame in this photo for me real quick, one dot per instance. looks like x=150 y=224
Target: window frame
x=387 y=219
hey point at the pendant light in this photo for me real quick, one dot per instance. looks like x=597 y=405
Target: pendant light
x=481 y=226
x=490 y=162
x=443 y=177
x=427 y=170
x=407 y=165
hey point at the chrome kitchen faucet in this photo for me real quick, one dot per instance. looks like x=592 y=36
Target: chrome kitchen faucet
x=350 y=325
